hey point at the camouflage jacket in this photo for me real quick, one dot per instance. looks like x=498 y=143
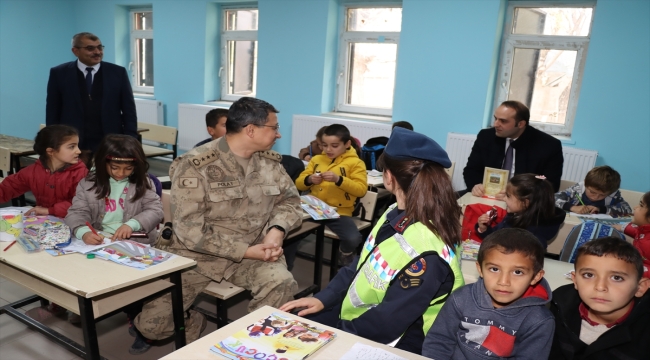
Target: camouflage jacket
x=220 y=210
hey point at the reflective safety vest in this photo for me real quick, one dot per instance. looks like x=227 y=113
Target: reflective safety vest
x=379 y=264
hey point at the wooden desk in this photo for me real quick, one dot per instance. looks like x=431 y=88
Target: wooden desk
x=468 y=198
x=200 y=349
x=95 y=289
x=554 y=272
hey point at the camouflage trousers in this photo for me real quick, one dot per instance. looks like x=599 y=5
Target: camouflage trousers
x=270 y=283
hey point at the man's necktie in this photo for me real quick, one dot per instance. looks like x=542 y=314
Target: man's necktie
x=89 y=79
x=507 y=162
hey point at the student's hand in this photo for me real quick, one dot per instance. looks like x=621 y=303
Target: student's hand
x=91 y=239
x=482 y=222
x=315 y=179
x=37 y=210
x=330 y=176
x=311 y=304
x=263 y=252
x=123 y=232
x=584 y=209
x=500 y=196
x=478 y=190
x=307 y=157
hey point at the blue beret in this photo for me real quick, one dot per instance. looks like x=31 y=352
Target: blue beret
x=405 y=144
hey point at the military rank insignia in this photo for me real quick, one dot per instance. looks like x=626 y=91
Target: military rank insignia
x=410 y=276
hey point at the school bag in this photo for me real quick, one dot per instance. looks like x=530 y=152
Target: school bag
x=372 y=150
x=470 y=218
x=583 y=233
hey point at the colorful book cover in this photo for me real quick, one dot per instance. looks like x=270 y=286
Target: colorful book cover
x=277 y=337
x=133 y=254
x=317 y=208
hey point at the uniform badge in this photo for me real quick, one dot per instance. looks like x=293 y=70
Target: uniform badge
x=417 y=268
x=214 y=173
x=188 y=182
x=406 y=281
x=203 y=159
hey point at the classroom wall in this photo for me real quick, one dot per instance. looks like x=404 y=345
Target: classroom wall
x=445 y=73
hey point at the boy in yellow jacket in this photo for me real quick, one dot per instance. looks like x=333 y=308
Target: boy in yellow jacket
x=338 y=177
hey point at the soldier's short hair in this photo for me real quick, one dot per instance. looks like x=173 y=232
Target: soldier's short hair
x=246 y=111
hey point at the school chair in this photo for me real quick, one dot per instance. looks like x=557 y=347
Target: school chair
x=165 y=135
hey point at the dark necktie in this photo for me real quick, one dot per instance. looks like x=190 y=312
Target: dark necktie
x=89 y=79
x=507 y=162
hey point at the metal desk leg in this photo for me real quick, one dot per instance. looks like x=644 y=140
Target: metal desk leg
x=88 y=327
x=318 y=258
x=334 y=258
x=177 y=309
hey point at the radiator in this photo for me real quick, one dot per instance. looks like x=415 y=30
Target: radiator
x=304 y=128
x=458 y=147
x=150 y=111
x=577 y=162
x=191 y=124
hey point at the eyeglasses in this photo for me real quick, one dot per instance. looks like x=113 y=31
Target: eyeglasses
x=92 y=48
x=276 y=128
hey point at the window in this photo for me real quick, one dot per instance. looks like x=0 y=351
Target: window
x=542 y=60
x=141 y=66
x=239 y=54
x=367 y=60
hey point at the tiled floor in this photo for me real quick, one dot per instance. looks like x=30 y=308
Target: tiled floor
x=17 y=341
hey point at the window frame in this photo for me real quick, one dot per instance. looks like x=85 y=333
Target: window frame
x=134 y=35
x=236 y=35
x=346 y=38
x=511 y=41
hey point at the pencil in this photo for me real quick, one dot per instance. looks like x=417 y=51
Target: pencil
x=580 y=199
x=92 y=229
x=7 y=248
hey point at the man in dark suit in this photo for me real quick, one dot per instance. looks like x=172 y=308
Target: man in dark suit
x=533 y=151
x=93 y=96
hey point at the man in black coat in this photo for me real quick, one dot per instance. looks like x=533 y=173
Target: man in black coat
x=93 y=96
x=534 y=151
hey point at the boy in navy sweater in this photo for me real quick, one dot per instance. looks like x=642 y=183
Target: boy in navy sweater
x=503 y=314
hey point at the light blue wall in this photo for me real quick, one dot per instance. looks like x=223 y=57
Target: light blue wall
x=446 y=61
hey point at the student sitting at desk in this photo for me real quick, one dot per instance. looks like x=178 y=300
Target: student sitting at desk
x=55 y=175
x=598 y=194
x=503 y=314
x=338 y=177
x=215 y=122
x=529 y=202
x=605 y=313
x=410 y=262
x=117 y=197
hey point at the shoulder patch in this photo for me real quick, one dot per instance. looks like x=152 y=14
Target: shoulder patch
x=204 y=158
x=270 y=154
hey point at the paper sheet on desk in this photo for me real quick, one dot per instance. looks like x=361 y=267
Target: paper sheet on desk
x=79 y=246
x=362 y=351
x=374 y=173
x=601 y=218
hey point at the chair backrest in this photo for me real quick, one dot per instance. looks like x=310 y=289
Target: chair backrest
x=565 y=184
x=632 y=197
x=450 y=170
x=159 y=133
x=5 y=160
x=369 y=202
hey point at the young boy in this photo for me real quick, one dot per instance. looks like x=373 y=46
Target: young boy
x=503 y=313
x=604 y=314
x=215 y=121
x=598 y=194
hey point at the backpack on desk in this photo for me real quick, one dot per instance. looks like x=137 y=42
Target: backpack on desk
x=372 y=150
x=585 y=232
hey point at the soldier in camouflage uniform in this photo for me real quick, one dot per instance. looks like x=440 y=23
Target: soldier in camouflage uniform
x=232 y=203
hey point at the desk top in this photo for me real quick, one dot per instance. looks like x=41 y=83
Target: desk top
x=554 y=272
x=17 y=146
x=86 y=277
x=200 y=349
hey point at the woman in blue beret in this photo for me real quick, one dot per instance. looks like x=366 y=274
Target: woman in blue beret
x=410 y=263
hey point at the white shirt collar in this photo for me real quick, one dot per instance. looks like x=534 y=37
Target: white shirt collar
x=83 y=67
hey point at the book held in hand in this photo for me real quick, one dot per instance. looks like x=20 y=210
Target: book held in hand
x=275 y=337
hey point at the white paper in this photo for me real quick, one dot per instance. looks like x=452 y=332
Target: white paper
x=374 y=173
x=362 y=351
x=79 y=246
x=591 y=216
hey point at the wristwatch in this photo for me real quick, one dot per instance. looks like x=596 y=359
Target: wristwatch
x=278 y=227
